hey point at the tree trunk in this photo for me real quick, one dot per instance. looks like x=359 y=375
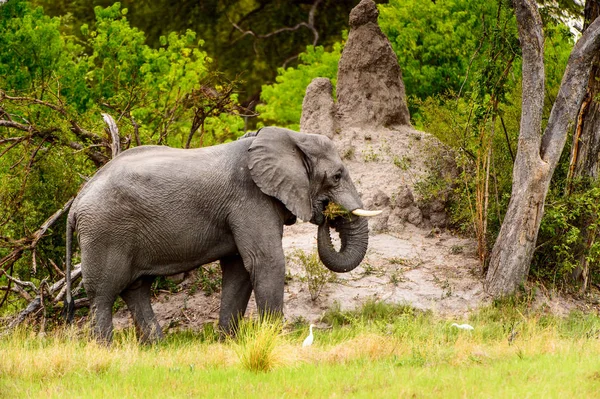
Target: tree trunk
x=585 y=159
x=537 y=155
x=586 y=139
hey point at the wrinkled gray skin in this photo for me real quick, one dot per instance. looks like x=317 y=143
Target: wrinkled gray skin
x=156 y=211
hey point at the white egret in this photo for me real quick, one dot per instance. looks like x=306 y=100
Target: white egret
x=309 y=340
x=463 y=326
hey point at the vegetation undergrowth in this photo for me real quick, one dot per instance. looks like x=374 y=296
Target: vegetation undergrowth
x=316 y=274
x=512 y=351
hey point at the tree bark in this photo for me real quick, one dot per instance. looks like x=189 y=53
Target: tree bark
x=537 y=154
x=585 y=160
x=586 y=139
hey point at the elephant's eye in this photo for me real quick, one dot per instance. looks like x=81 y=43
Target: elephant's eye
x=337 y=177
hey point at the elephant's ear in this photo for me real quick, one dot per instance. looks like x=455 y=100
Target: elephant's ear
x=280 y=169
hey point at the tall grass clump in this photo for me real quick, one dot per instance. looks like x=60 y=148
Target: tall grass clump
x=258 y=343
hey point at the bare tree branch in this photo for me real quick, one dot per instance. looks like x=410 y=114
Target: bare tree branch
x=114 y=134
x=20 y=283
x=29 y=243
x=309 y=24
x=75 y=128
x=17 y=290
x=15 y=125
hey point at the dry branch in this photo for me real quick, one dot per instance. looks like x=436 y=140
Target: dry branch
x=37 y=303
x=114 y=134
x=29 y=243
x=309 y=24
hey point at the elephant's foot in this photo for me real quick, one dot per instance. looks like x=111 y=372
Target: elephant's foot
x=101 y=318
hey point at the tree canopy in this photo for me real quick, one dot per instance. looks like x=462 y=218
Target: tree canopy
x=54 y=87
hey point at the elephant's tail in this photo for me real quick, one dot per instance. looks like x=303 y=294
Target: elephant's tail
x=69 y=310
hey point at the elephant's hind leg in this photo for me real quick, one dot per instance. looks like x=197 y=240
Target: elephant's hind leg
x=235 y=294
x=137 y=298
x=101 y=314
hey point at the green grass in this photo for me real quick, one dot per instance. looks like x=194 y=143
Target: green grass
x=387 y=351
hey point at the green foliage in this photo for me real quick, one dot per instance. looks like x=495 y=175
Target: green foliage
x=440 y=48
x=207 y=278
x=163 y=283
x=53 y=88
x=484 y=121
x=435 y=41
x=514 y=351
x=239 y=55
x=283 y=99
x=371 y=312
x=561 y=243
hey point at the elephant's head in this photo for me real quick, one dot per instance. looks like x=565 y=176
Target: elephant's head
x=305 y=172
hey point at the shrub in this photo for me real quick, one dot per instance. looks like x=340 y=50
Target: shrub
x=317 y=275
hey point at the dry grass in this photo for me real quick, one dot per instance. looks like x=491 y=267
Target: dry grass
x=543 y=350
x=259 y=343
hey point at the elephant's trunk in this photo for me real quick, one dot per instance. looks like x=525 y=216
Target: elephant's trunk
x=354 y=235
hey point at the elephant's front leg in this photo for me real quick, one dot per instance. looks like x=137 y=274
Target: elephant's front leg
x=258 y=242
x=268 y=281
x=235 y=294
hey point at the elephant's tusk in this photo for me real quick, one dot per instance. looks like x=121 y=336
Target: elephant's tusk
x=363 y=212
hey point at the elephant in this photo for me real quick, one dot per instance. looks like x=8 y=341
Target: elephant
x=156 y=211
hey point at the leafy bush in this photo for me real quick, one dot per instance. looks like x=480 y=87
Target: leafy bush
x=435 y=41
x=562 y=245
x=208 y=278
x=317 y=275
x=436 y=44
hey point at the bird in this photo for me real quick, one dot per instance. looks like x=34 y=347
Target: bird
x=463 y=326
x=308 y=340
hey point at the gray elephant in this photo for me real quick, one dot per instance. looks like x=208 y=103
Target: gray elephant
x=156 y=211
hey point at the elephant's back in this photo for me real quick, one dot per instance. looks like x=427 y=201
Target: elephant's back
x=149 y=187
x=161 y=169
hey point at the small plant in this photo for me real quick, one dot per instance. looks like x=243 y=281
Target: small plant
x=403 y=163
x=163 y=284
x=208 y=279
x=396 y=278
x=385 y=147
x=457 y=249
x=317 y=275
x=370 y=155
x=369 y=269
x=348 y=153
x=257 y=341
